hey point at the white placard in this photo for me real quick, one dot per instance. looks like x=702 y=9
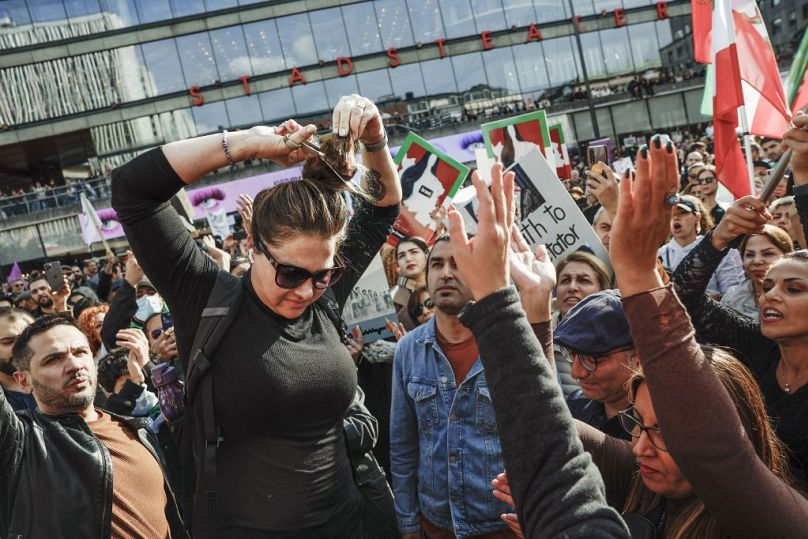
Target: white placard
x=370 y=304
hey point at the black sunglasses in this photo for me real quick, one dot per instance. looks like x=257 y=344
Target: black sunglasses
x=427 y=304
x=289 y=277
x=704 y=181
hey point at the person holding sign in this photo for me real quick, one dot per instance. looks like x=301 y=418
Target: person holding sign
x=283 y=379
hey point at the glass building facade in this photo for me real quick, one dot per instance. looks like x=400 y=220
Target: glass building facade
x=266 y=40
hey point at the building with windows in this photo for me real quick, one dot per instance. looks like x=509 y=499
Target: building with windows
x=87 y=84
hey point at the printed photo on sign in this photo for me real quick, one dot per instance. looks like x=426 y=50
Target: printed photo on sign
x=512 y=138
x=369 y=306
x=429 y=180
x=560 y=154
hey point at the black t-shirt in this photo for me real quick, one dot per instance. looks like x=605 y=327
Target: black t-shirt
x=19 y=401
x=281 y=387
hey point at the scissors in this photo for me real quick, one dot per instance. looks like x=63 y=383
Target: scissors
x=314 y=150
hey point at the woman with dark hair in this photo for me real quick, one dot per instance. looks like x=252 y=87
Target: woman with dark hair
x=420 y=306
x=758 y=253
x=283 y=379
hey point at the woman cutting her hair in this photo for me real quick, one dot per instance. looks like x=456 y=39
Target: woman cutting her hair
x=282 y=379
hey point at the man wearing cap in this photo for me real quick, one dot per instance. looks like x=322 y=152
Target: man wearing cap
x=600 y=346
x=24 y=301
x=689 y=222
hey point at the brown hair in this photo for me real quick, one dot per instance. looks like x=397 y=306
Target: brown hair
x=600 y=269
x=86 y=323
x=740 y=384
x=313 y=205
x=776 y=235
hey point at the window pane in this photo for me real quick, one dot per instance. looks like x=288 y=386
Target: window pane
x=363 y=30
x=155 y=10
x=177 y=125
x=426 y=21
x=231 y=53
x=125 y=13
x=296 y=40
x=264 y=46
x=164 y=72
x=457 y=18
x=529 y=67
x=667 y=111
x=336 y=88
x=197 y=59
x=374 y=84
x=310 y=98
x=183 y=8
x=394 y=23
x=616 y=52
x=631 y=118
x=47 y=10
x=277 y=105
x=213 y=5
x=561 y=58
x=407 y=81
x=607 y=5
x=519 y=13
x=583 y=7
x=664 y=33
x=78 y=8
x=693 y=102
x=469 y=71
x=595 y=66
x=329 y=33
x=210 y=117
x=583 y=126
x=244 y=111
x=16 y=12
x=605 y=121
x=501 y=70
x=438 y=77
x=644 y=46
x=488 y=14
x=550 y=10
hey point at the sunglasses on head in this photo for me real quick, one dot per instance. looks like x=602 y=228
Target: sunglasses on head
x=288 y=276
x=427 y=304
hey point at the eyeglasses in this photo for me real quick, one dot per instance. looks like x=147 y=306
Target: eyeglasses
x=427 y=304
x=590 y=363
x=289 y=277
x=155 y=333
x=631 y=421
x=707 y=180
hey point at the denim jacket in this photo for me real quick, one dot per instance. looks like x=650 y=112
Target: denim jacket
x=444 y=449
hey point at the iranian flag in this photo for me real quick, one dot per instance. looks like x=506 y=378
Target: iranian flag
x=797 y=83
x=767 y=110
x=727 y=98
x=702 y=13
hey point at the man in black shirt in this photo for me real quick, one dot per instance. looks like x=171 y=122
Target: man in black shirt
x=597 y=335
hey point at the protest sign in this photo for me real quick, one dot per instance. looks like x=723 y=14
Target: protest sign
x=429 y=180
x=369 y=306
x=619 y=166
x=512 y=138
x=549 y=215
x=560 y=154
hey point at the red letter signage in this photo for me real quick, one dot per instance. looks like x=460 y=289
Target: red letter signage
x=199 y=100
x=296 y=77
x=488 y=41
x=244 y=79
x=441 y=46
x=533 y=33
x=662 y=10
x=619 y=19
x=394 y=57
x=344 y=66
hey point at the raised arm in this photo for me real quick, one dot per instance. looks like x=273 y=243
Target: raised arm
x=712 y=449
x=557 y=489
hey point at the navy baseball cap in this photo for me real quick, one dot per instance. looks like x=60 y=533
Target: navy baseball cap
x=595 y=326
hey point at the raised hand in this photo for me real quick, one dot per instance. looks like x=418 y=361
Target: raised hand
x=220 y=257
x=134 y=273
x=796 y=138
x=747 y=215
x=136 y=342
x=603 y=184
x=483 y=260
x=534 y=275
x=245 y=209
x=358 y=117
x=643 y=217
x=356 y=343
x=281 y=145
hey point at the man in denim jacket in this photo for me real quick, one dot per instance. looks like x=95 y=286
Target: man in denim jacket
x=444 y=449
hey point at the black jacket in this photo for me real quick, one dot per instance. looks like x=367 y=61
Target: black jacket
x=120 y=314
x=56 y=476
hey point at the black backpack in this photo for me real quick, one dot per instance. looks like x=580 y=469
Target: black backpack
x=217 y=317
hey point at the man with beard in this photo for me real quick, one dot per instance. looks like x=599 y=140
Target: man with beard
x=444 y=449
x=47 y=301
x=12 y=323
x=107 y=466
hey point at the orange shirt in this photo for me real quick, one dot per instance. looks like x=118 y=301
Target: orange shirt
x=461 y=355
x=139 y=498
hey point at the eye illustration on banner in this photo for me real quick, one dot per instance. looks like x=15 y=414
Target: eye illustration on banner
x=209 y=199
x=110 y=225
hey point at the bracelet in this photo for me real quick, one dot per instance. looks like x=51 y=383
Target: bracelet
x=376 y=146
x=226 y=149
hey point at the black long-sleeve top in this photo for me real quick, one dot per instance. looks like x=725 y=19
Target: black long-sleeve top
x=281 y=387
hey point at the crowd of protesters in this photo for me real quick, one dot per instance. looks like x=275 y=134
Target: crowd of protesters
x=661 y=393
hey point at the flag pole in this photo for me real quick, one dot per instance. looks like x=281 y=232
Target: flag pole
x=96 y=222
x=747 y=139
